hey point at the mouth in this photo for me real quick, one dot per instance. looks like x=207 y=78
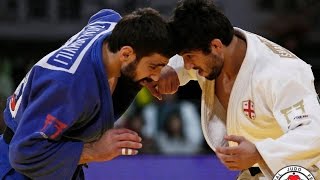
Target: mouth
x=144 y=81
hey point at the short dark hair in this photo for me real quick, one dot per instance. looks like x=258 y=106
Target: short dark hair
x=196 y=23
x=145 y=31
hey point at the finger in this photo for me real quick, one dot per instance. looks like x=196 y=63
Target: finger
x=128 y=151
x=228 y=164
x=176 y=87
x=128 y=144
x=124 y=130
x=234 y=168
x=177 y=84
x=167 y=87
x=234 y=138
x=128 y=137
x=174 y=91
x=228 y=150
x=162 y=87
x=170 y=88
x=226 y=158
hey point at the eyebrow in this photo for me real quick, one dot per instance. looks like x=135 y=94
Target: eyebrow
x=159 y=64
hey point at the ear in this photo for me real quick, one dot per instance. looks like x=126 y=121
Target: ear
x=216 y=45
x=127 y=54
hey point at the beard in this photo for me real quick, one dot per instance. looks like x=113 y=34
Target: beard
x=216 y=67
x=130 y=71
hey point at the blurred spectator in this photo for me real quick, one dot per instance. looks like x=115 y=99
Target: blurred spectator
x=135 y=122
x=175 y=125
x=173 y=139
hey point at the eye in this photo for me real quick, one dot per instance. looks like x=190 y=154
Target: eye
x=188 y=57
x=152 y=66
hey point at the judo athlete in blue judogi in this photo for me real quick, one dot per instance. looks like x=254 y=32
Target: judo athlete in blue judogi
x=61 y=115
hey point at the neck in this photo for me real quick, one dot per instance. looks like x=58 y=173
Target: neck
x=111 y=62
x=234 y=56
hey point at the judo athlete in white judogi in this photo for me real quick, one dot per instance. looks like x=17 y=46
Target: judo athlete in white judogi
x=259 y=108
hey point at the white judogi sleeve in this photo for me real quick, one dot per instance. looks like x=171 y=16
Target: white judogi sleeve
x=176 y=62
x=296 y=108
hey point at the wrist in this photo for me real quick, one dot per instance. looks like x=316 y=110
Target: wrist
x=87 y=154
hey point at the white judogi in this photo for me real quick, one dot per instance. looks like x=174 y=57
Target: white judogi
x=273 y=104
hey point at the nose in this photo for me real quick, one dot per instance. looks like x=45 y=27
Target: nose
x=155 y=77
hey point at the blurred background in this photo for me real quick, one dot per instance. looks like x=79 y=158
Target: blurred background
x=29 y=29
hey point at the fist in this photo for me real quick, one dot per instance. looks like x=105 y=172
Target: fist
x=110 y=145
x=168 y=83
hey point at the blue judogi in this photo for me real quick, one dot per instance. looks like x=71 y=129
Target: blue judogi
x=63 y=102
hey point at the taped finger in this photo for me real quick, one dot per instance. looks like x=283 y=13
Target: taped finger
x=127 y=151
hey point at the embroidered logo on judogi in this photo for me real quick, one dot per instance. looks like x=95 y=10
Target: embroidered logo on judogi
x=52 y=127
x=248 y=109
x=295 y=112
